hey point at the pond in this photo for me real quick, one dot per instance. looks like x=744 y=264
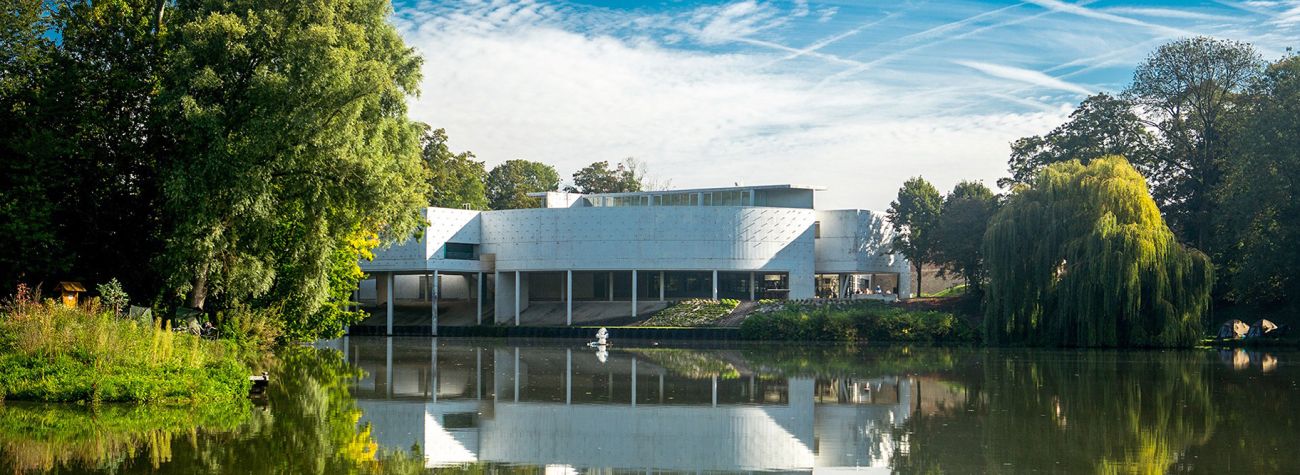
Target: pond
x=414 y=405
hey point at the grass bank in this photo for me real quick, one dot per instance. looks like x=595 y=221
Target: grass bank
x=862 y=320
x=53 y=353
x=692 y=313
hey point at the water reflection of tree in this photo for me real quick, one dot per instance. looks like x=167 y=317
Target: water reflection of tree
x=309 y=426
x=1105 y=412
x=42 y=437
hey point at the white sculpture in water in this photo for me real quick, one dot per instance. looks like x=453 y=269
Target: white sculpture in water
x=602 y=336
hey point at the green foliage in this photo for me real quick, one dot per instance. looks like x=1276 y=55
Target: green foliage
x=1260 y=201
x=291 y=117
x=112 y=295
x=1082 y=258
x=915 y=216
x=1102 y=125
x=960 y=231
x=252 y=331
x=509 y=183
x=50 y=352
x=599 y=178
x=692 y=313
x=457 y=180
x=856 y=321
x=1190 y=90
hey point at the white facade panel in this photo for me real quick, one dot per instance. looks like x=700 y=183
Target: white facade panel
x=856 y=241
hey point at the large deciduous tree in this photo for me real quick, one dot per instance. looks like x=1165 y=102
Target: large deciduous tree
x=458 y=179
x=1082 y=257
x=600 y=178
x=915 y=217
x=1102 y=125
x=1190 y=91
x=509 y=183
x=1260 y=213
x=292 y=144
x=960 y=232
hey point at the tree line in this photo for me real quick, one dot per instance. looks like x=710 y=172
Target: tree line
x=1179 y=192
x=227 y=154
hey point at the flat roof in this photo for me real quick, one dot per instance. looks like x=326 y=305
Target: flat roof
x=786 y=186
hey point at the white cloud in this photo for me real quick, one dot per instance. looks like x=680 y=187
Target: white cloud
x=1024 y=75
x=507 y=88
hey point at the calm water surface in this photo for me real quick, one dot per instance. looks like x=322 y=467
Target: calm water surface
x=414 y=405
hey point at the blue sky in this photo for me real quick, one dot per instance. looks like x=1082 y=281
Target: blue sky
x=856 y=96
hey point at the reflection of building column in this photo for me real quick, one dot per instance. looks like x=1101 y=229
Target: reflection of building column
x=661 y=387
x=433 y=296
x=568 y=297
x=715 y=285
x=634 y=293
x=346 y=347
x=568 y=376
x=388 y=367
x=478 y=371
x=516 y=374
x=433 y=369
x=496 y=309
x=388 y=292
x=633 y=381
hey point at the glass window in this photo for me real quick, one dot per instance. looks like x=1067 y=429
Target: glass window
x=659 y=200
x=817 y=229
x=708 y=199
x=453 y=250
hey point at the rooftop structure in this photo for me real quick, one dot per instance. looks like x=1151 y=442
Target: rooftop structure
x=597 y=258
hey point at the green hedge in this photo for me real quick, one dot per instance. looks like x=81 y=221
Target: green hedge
x=858 y=321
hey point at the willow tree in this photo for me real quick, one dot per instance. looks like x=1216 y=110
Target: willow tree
x=1082 y=257
x=292 y=145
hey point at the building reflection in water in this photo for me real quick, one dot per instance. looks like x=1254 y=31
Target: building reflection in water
x=463 y=401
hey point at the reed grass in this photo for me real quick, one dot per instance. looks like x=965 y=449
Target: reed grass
x=51 y=352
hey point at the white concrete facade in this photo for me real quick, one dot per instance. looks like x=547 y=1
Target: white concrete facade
x=741 y=232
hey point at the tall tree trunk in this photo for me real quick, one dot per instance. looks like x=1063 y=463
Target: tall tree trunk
x=918 y=279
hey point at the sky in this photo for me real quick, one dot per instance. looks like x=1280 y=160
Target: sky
x=856 y=96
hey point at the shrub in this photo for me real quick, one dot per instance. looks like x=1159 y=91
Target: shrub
x=251 y=330
x=112 y=295
x=873 y=321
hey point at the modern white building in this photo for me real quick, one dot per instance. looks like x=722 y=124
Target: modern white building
x=595 y=258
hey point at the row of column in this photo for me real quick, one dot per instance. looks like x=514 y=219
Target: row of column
x=434 y=291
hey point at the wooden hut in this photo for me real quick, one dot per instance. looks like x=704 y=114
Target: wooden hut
x=70 y=292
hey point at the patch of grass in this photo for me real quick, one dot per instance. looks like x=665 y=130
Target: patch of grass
x=953 y=291
x=53 y=353
x=692 y=313
x=856 y=321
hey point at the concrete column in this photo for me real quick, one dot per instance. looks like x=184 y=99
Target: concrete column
x=611 y=286
x=433 y=296
x=633 y=293
x=496 y=313
x=388 y=293
x=518 y=283
x=346 y=346
x=661 y=286
x=715 y=390
x=752 y=284
x=478 y=304
x=568 y=297
x=715 y=285
x=478 y=373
